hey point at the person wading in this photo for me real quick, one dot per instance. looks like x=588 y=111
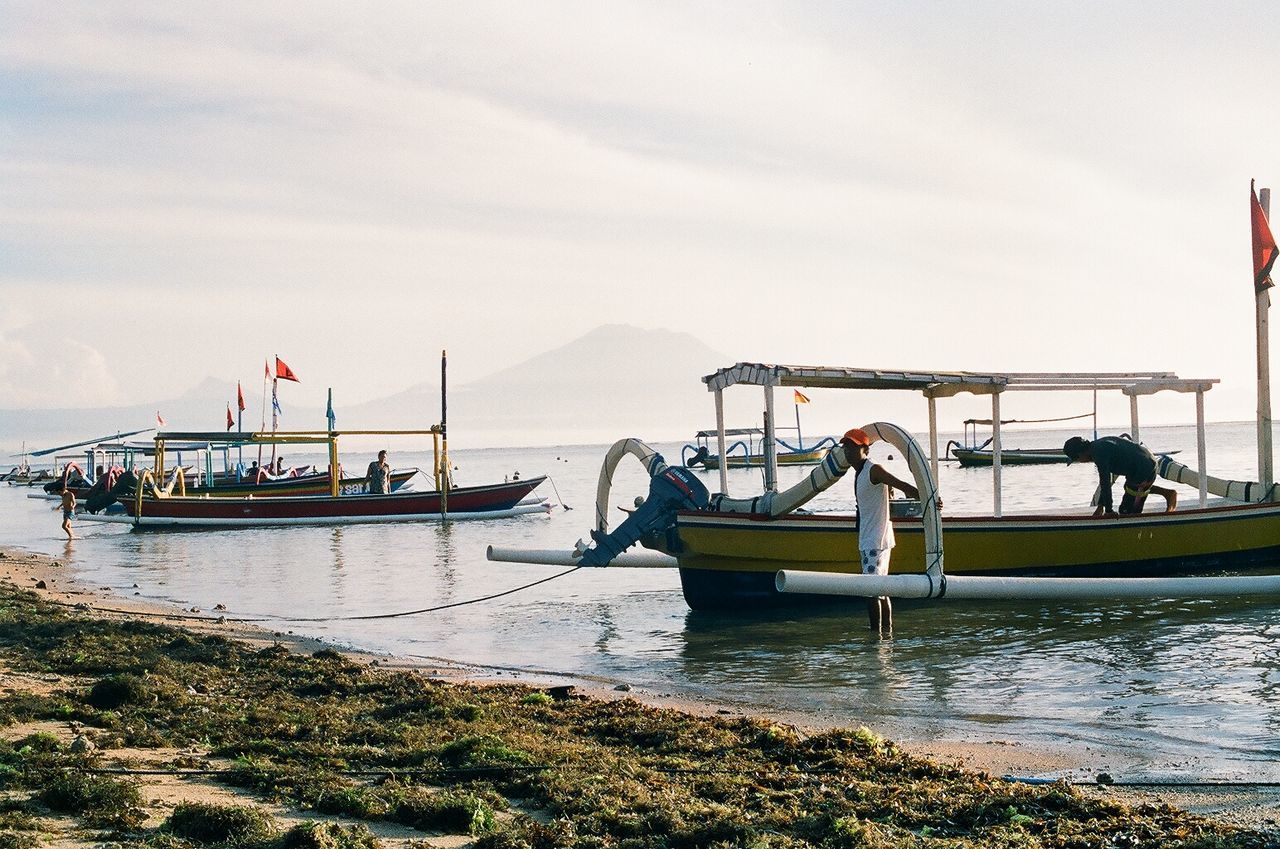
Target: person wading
x=875 y=531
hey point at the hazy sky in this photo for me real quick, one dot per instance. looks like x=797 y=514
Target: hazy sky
x=1004 y=186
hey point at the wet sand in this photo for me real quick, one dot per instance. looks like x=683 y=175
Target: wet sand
x=1256 y=807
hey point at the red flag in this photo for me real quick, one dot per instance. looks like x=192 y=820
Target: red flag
x=159 y=420
x=1264 y=244
x=239 y=397
x=284 y=372
x=230 y=421
x=266 y=369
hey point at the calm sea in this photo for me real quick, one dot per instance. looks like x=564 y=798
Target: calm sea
x=1187 y=690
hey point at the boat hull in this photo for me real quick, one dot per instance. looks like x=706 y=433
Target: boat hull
x=974 y=457
x=192 y=511
x=730 y=560
x=789 y=458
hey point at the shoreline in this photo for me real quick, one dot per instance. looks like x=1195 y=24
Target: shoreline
x=1240 y=805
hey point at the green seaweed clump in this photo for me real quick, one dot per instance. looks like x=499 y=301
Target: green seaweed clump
x=98 y=799
x=235 y=824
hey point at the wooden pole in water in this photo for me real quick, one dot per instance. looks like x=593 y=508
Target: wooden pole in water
x=1262 y=304
x=444 y=435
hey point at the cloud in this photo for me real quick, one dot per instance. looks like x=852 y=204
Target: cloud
x=46 y=369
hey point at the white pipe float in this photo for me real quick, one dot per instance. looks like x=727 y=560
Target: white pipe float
x=994 y=587
x=1246 y=491
x=553 y=557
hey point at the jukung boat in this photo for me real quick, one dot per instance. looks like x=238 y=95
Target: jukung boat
x=151 y=505
x=751 y=452
x=748 y=453
x=970 y=452
x=731 y=551
x=758 y=551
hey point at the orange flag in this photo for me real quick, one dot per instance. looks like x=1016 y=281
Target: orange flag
x=801 y=398
x=1264 y=244
x=284 y=372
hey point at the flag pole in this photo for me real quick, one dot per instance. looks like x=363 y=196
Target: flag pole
x=1262 y=302
x=799 y=435
x=266 y=374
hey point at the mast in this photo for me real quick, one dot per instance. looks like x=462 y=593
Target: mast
x=1262 y=304
x=444 y=434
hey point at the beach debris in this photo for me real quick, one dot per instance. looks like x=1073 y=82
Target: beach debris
x=1104 y=778
x=82 y=745
x=623 y=687
x=41 y=585
x=219 y=607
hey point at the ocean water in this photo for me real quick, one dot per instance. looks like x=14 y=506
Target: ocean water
x=1154 y=690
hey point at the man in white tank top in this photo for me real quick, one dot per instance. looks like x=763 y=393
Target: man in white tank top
x=875 y=531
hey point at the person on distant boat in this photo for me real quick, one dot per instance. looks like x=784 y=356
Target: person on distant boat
x=68 y=507
x=1114 y=455
x=279 y=470
x=875 y=531
x=380 y=475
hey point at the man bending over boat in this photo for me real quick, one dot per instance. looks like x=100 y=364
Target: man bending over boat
x=875 y=531
x=1114 y=455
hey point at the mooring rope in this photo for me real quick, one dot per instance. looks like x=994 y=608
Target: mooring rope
x=253 y=620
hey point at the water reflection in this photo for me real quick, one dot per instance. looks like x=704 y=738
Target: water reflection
x=1169 y=686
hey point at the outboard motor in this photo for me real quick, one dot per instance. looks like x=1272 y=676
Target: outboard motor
x=671 y=490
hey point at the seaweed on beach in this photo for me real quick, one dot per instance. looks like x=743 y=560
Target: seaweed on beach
x=337 y=737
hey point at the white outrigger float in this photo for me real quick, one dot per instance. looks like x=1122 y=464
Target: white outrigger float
x=754 y=552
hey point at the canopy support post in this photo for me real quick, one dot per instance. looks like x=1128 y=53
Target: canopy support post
x=933 y=437
x=1200 y=450
x=1133 y=419
x=720 y=442
x=770 y=444
x=998 y=507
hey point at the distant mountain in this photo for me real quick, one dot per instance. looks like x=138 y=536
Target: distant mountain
x=615 y=381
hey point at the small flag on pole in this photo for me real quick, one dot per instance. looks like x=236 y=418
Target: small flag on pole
x=266 y=369
x=239 y=397
x=284 y=372
x=1264 y=244
x=801 y=398
x=328 y=410
x=159 y=419
x=230 y=421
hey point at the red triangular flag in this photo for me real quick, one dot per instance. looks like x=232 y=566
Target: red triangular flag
x=266 y=369
x=284 y=372
x=239 y=397
x=1264 y=244
x=230 y=421
x=159 y=420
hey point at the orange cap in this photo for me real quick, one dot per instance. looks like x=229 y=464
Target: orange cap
x=857 y=436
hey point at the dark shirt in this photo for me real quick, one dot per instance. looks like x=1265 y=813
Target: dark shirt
x=379 y=478
x=1115 y=456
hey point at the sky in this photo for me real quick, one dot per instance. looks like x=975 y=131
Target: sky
x=1004 y=186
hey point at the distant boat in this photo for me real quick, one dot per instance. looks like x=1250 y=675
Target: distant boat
x=749 y=452
x=148 y=504
x=971 y=454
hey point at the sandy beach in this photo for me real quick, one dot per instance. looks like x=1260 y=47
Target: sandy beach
x=1254 y=807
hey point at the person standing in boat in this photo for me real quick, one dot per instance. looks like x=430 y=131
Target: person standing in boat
x=1114 y=455
x=380 y=475
x=875 y=532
